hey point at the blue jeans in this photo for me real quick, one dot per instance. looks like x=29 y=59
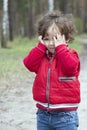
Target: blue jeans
x=57 y=120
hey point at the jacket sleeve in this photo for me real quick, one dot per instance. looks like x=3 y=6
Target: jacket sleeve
x=34 y=58
x=69 y=60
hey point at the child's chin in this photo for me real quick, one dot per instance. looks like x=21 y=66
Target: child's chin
x=52 y=51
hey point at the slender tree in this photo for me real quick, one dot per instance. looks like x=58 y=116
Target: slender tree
x=12 y=18
x=85 y=15
x=51 y=5
x=1 y=8
x=66 y=6
x=4 y=24
x=30 y=23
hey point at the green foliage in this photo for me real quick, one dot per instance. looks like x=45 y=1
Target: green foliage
x=76 y=44
x=19 y=47
x=79 y=25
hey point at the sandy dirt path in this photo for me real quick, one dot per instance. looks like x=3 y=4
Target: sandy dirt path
x=17 y=109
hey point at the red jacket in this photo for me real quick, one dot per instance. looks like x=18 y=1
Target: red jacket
x=56 y=83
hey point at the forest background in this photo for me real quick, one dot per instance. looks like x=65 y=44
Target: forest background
x=19 y=18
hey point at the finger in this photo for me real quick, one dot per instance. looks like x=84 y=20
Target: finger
x=59 y=37
x=64 y=38
x=55 y=39
x=40 y=38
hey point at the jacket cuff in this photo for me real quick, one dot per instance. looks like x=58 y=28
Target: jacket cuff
x=41 y=47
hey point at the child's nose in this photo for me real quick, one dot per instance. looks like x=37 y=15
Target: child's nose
x=52 y=42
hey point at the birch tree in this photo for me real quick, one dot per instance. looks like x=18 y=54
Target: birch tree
x=4 y=24
x=51 y=5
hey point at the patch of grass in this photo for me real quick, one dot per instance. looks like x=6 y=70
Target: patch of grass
x=76 y=44
x=11 y=59
x=20 y=46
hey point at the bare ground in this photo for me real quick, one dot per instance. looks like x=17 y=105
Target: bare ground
x=17 y=108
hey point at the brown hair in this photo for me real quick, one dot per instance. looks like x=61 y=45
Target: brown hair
x=63 y=21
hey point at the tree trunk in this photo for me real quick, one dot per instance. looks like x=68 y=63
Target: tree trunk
x=82 y=12
x=10 y=13
x=30 y=23
x=4 y=25
x=51 y=5
x=85 y=15
x=67 y=6
x=3 y=40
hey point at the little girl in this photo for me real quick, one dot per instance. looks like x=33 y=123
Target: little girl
x=56 y=87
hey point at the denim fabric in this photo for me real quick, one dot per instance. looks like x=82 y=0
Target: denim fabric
x=57 y=120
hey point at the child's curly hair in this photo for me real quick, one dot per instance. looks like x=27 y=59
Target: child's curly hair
x=63 y=21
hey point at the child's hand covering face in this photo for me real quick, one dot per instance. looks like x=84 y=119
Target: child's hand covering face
x=59 y=39
x=52 y=43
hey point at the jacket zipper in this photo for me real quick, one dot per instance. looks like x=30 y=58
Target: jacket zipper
x=48 y=87
x=48 y=83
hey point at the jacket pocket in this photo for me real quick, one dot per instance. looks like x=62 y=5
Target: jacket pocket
x=67 y=79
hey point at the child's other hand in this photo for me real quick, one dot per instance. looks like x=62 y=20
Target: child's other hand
x=59 y=39
x=40 y=39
